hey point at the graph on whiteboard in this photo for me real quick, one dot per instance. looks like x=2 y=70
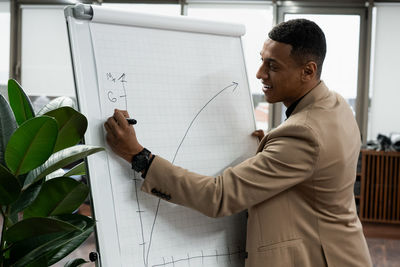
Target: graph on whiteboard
x=190 y=111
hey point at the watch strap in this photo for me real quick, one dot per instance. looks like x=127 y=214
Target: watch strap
x=141 y=160
x=148 y=166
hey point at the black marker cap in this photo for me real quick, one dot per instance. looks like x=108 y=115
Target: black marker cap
x=131 y=121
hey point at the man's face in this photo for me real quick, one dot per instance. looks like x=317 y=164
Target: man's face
x=279 y=73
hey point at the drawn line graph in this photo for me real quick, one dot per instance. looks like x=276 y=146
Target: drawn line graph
x=146 y=248
x=146 y=261
x=202 y=256
x=234 y=85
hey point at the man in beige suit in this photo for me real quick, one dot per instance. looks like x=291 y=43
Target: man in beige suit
x=298 y=188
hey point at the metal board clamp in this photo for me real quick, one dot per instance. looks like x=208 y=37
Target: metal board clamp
x=79 y=11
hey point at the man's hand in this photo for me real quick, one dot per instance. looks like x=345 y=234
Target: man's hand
x=259 y=134
x=121 y=136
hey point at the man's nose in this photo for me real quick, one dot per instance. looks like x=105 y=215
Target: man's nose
x=261 y=73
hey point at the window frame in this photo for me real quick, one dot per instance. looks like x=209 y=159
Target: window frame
x=356 y=7
x=7 y=10
x=365 y=13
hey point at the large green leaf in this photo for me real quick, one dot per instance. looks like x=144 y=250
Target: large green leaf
x=71 y=126
x=26 y=198
x=76 y=240
x=80 y=221
x=61 y=159
x=40 y=262
x=9 y=186
x=52 y=246
x=31 y=144
x=75 y=262
x=12 y=219
x=79 y=169
x=57 y=173
x=56 y=103
x=32 y=227
x=19 y=102
x=58 y=196
x=8 y=124
x=28 y=250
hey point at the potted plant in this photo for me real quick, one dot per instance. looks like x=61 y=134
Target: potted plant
x=38 y=199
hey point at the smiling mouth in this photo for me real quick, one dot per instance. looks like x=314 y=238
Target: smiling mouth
x=266 y=87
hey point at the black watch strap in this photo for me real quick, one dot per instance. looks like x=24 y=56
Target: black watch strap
x=141 y=160
x=148 y=166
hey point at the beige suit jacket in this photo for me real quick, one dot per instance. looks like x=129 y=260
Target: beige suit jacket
x=298 y=189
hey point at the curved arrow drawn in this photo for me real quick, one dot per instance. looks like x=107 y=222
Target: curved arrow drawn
x=146 y=260
x=198 y=113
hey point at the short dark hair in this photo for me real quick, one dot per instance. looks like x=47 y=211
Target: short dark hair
x=306 y=38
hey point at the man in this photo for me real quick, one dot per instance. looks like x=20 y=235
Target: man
x=298 y=188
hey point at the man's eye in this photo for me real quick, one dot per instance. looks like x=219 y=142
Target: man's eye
x=272 y=66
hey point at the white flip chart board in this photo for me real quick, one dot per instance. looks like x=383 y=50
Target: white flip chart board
x=184 y=81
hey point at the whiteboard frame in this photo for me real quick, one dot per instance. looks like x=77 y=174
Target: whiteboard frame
x=86 y=88
x=84 y=66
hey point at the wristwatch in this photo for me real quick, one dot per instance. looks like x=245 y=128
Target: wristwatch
x=141 y=161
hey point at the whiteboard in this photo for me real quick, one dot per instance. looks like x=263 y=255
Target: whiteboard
x=184 y=81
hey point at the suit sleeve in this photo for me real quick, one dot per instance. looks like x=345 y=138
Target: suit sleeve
x=287 y=159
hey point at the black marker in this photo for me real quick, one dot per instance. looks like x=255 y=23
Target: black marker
x=131 y=121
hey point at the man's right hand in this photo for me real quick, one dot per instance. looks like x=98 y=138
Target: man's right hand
x=121 y=136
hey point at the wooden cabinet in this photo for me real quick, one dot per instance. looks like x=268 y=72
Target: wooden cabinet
x=379 y=198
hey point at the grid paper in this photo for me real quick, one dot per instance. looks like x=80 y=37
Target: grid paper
x=189 y=94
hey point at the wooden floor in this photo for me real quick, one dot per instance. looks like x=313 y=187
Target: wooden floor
x=383 y=243
x=384 y=252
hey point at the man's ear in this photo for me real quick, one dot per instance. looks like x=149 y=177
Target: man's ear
x=309 y=71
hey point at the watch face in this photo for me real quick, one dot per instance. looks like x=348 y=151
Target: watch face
x=141 y=160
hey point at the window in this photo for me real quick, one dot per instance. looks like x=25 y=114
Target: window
x=46 y=68
x=384 y=110
x=5 y=41
x=340 y=69
x=258 y=20
x=345 y=63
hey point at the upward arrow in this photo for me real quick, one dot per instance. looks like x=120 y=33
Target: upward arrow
x=235 y=84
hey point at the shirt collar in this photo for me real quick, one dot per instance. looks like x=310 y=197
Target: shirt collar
x=291 y=108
